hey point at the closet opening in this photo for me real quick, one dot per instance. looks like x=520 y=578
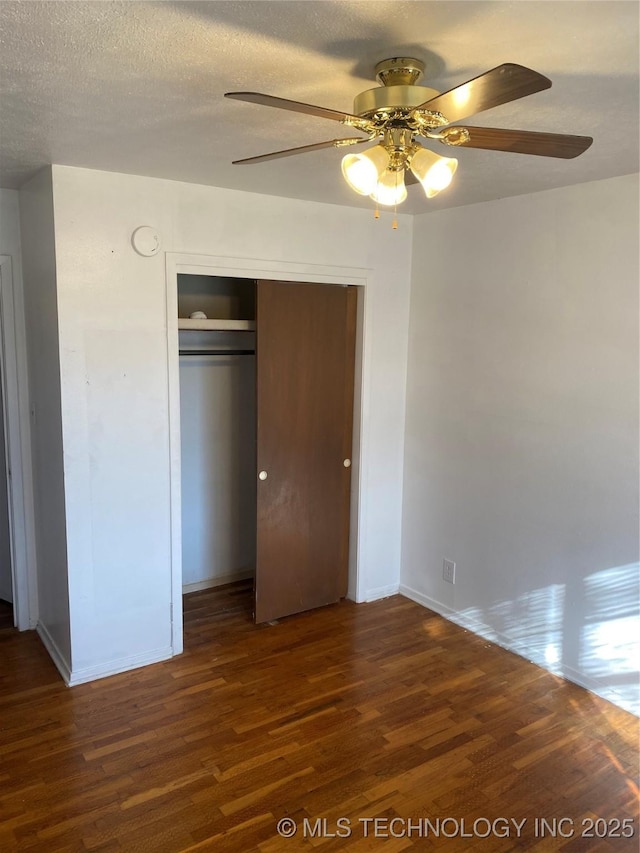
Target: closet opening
x=217 y=376
x=266 y=382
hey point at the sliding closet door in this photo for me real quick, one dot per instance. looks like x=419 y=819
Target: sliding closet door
x=305 y=362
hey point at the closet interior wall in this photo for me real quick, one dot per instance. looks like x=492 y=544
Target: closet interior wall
x=217 y=431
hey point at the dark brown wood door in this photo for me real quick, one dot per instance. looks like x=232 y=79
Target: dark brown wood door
x=305 y=345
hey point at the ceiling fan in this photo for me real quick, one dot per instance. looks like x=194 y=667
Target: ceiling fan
x=399 y=112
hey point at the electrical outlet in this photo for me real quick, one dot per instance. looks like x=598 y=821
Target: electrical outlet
x=449 y=571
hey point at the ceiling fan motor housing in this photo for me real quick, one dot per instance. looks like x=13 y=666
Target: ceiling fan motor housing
x=388 y=98
x=399 y=91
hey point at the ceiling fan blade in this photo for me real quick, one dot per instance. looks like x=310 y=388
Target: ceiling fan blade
x=288 y=152
x=520 y=141
x=505 y=83
x=295 y=106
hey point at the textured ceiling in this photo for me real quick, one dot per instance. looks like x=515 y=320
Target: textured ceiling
x=138 y=87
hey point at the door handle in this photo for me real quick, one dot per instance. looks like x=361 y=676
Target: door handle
x=262 y=475
x=347 y=463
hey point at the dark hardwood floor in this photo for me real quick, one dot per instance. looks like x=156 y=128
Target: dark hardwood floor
x=346 y=714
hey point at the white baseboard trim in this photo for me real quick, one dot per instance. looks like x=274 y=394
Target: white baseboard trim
x=115 y=667
x=469 y=624
x=210 y=583
x=425 y=601
x=593 y=686
x=581 y=679
x=498 y=639
x=381 y=592
x=54 y=652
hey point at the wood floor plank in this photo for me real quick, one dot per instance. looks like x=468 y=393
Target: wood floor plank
x=353 y=711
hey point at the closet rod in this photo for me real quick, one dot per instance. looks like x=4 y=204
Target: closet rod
x=217 y=352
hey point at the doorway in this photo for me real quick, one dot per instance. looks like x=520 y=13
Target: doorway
x=260 y=270
x=216 y=323
x=17 y=532
x=6 y=559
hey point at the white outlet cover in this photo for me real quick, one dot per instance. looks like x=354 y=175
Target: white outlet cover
x=449 y=571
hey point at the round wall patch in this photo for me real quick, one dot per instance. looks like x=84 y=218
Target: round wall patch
x=146 y=241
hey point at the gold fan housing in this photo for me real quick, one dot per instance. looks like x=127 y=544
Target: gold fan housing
x=399 y=71
x=387 y=98
x=399 y=93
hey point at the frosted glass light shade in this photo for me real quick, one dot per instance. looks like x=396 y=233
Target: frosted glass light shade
x=390 y=189
x=433 y=172
x=361 y=171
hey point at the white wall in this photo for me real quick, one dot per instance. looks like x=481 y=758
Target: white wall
x=39 y=271
x=112 y=321
x=521 y=453
x=217 y=435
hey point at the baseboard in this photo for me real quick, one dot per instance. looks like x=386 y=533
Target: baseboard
x=425 y=601
x=381 y=592
x=593 y=686
x=54 y=652
x=210 y=583
x=470 y=624
x=498 y=639
x=115 y=667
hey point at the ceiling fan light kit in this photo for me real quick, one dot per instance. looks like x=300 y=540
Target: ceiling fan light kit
x=390 y=189
x=434 y=173
x=399 y=113
x=362 y=171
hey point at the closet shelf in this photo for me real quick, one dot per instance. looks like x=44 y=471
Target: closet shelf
x=185 y=323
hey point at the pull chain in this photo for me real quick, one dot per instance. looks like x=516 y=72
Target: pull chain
x=395 y=208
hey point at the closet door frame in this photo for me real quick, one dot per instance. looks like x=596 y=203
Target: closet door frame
x=213 y=265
